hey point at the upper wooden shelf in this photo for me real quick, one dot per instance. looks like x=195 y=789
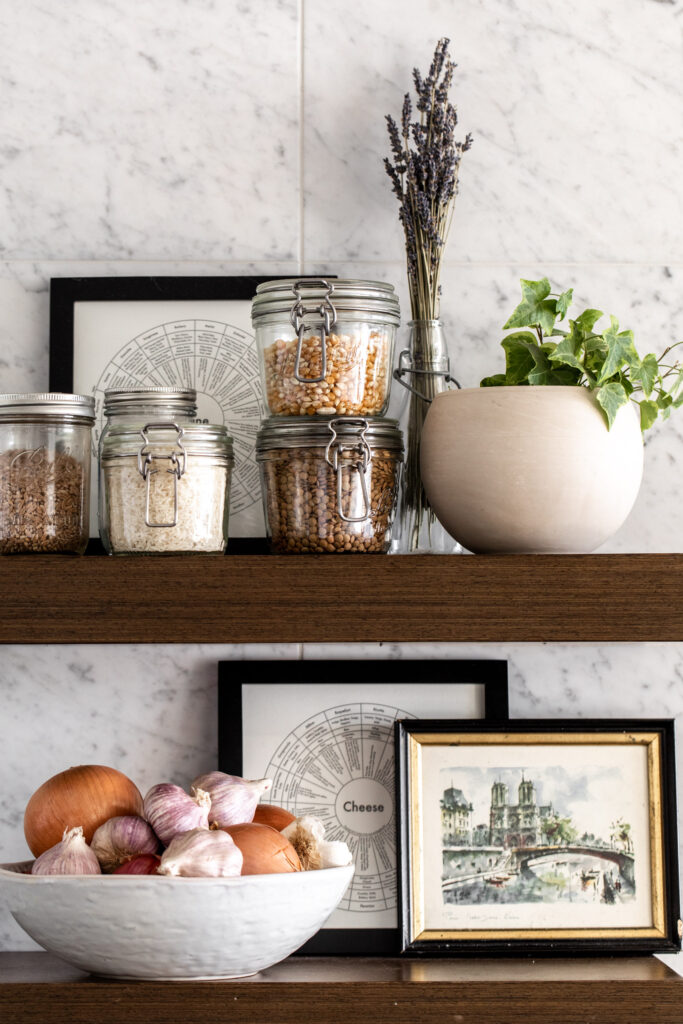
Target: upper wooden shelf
x=36 y=987
x=261 y=598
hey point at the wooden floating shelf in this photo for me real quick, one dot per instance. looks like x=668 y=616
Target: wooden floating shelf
x=262 y=598
x=36 y=988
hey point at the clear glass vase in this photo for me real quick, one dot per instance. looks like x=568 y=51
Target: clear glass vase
x=423 y=370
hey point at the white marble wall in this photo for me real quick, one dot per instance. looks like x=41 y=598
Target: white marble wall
x=200 y=137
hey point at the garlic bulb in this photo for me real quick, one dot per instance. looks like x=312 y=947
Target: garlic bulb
x=202 y=853
x=306 y=835
x=72 y=856
x=122 y=838
x=171 y=811
x=233 y=800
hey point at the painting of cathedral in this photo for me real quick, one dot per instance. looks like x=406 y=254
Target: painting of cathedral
x=519 y=824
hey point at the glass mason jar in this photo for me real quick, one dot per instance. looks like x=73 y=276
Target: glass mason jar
x=134 y=407
x=45 y=472
x=325 y=347
x=165 y=489
x=329 y=485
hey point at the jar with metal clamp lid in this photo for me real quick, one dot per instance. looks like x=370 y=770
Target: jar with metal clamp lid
x=165 y=489
x=325 y=346
x=329 y=485
x=45 y=472
x=134 y=407
x=144 y=405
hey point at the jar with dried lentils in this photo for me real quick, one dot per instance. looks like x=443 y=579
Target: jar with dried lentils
x=325 y=346
x=45 y=472
x=329 y=485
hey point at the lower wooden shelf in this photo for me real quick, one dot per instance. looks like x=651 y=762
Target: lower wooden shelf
x=37 y=988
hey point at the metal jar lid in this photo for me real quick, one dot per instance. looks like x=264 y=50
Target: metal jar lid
x=49 y=404
x=122 y=400
x=343 y=299
x=196 y=439
x=295 y=432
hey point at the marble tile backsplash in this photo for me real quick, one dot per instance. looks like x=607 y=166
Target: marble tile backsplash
x=237 y=138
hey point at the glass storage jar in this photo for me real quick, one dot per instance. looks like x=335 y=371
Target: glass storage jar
x=165 y=489
x=45 y=472
x=329 y=485
x=325 y=347
x=136 y=406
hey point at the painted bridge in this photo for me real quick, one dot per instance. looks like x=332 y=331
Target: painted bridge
x=522 y=855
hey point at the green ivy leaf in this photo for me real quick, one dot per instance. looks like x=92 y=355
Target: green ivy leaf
x=620 y=351
x=563 y=303
x=567 y=351
x=611 y=398
x=496 y=381
x=588 y=319
x=648 y=413
x=519 y=359
x=646 y=372
x=545 y=373
x=535 y=309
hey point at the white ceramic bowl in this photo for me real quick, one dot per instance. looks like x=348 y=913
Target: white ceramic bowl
x=142 y=926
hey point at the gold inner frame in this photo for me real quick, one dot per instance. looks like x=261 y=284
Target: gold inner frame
x=657 y=880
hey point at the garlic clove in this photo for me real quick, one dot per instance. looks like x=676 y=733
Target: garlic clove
x=171 y=811
x=306 y=835
x=144 y=864
x=72 y=856
x=202 y=853
x=120 y=839
x=233 y=800
x=334 y=854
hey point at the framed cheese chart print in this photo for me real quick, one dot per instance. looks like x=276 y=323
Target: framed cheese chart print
x=194 y=332
x=536 y=837
x=324 y=733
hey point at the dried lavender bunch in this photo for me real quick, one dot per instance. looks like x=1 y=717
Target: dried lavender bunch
x=424 y=177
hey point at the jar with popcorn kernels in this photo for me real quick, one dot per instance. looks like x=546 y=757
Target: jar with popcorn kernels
x=325 y=346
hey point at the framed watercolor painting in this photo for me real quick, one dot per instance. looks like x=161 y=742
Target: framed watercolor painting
x=537 y=837
x=324 y=733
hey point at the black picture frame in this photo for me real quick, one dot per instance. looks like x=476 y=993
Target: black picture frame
x=233 y=676
x=662 y=863
x=66 y=292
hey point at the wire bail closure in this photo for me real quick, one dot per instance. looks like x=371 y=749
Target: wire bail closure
x=328 y=318
x=177 y=468
x=337 y=445
x=402 y=369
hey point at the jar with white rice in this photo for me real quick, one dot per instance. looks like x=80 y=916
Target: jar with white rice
x=165 y=489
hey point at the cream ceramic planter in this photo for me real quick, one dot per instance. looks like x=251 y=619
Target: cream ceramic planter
x=529 y=469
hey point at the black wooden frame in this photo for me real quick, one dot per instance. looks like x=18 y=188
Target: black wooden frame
x=66 y=291
x=627 y=946
x=232 y=675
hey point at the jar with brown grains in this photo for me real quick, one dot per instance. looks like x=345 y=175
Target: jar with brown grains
x=329 y=485
x=45 y=472
x=325 y=346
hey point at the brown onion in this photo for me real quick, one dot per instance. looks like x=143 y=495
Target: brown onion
x=277 y=817
x=87 y=795
x=144 y=864
x=265 y=850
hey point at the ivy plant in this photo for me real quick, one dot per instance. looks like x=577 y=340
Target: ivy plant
x=604 y=361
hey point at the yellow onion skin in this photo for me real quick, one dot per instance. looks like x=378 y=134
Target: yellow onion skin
x=277 y=817
x=265 y=850
x=85 y=795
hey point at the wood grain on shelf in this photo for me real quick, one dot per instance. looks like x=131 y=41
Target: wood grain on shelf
x=252 y=598
x=36 y=987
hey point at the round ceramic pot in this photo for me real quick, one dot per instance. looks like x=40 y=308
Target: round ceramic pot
x=529 y=469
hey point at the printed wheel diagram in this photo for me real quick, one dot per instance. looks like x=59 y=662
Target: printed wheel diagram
x=338 y=766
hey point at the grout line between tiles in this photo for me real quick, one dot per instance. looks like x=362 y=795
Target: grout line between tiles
x=301 y=6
